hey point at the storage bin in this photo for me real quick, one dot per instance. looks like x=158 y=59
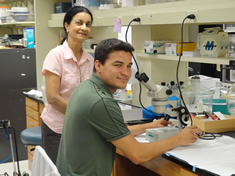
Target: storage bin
x=220 y=105
x=215 y=126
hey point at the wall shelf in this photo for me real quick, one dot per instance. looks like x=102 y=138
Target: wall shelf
x=25 y=23
x=206 y=11
x=207 y=60
x=214 y=60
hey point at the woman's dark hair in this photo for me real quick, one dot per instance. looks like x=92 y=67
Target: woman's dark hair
x=105 y=47
x=71 y=13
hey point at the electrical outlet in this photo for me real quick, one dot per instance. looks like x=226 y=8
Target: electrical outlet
x=226 y=85
x=189 y=13
x=99 y=20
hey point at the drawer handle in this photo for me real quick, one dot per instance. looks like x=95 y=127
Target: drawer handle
x=30 y=103
x=29 y=113
x=31 y=123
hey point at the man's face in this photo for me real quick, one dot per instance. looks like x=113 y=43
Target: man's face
x=116 y=70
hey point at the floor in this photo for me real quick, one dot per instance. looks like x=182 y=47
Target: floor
x=9 y=169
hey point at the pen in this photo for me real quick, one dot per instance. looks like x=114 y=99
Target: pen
x=210 y=116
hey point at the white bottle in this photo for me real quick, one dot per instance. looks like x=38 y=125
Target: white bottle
x=200 y=106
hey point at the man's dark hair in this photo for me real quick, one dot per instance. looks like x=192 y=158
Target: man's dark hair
x=71 y=13
x=107 y=46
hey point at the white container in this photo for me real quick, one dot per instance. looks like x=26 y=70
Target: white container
x=154 y=1
x=4 y=13
x=130 y=3
x=20 y=17
x=19 y=9
x=213 y=42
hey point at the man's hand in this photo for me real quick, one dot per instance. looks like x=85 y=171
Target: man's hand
x=160 y=123
x=188 y=135
x=139 y=129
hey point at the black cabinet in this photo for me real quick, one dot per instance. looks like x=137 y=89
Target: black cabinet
x=17 y=74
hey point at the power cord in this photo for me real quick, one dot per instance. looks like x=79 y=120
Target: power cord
x=205 y=136
x=210 y=136
x=5 y=133
x=136 y=20
x=137 y=67
x=191 y=16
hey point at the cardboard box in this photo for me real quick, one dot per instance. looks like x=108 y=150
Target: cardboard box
x=187 y=46
x=171 y=49
x=215 y=126
x=29 y=37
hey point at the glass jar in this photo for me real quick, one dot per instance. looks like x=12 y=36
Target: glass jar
x=230 y=97
x=197 y=97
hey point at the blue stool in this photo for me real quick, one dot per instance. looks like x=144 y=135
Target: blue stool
x=31 y=136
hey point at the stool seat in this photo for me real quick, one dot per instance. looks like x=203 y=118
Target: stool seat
x=31 y=136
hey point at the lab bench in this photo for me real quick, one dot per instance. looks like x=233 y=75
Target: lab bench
x=164 y=165
x=158 y=166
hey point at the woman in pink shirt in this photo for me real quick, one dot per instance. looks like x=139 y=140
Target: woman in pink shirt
x=64 y=68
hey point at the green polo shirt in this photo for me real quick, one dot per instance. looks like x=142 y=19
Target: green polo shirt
x=93 y=119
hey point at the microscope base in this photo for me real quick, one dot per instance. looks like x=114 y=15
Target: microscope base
x=157 y=134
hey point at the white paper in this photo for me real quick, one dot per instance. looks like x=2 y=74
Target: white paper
x=35 y=93
x=217 y=156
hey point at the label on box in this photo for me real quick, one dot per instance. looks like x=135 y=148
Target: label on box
x=171 y=49
x=220 y=115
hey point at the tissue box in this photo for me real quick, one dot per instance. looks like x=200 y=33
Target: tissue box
x=29 y=36
x=215 y=126
x=154 y=47
x=171 y=49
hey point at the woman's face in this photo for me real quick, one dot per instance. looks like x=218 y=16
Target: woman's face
x=80 y=27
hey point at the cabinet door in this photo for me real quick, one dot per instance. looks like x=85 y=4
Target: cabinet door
x=17 y=69
x=27 y=69
x=12 y=108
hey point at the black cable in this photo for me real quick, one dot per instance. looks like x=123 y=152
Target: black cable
x=210 y=136
x=191 y=16
x=140 y=86
x=137 y=67
x=136 y=20
x=16 y=148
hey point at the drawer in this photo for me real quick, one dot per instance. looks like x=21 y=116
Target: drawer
x=32 y=113
x=41 y=106
x=31 y=103
x=31 y=122
x=30 y=161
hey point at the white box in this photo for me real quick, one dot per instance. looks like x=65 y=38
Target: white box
x=154 y=47
x=171 y=49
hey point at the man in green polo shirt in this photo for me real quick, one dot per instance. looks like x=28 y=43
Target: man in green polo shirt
x=94 y=125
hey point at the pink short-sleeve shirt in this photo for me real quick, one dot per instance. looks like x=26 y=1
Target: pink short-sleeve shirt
x=62 y=62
